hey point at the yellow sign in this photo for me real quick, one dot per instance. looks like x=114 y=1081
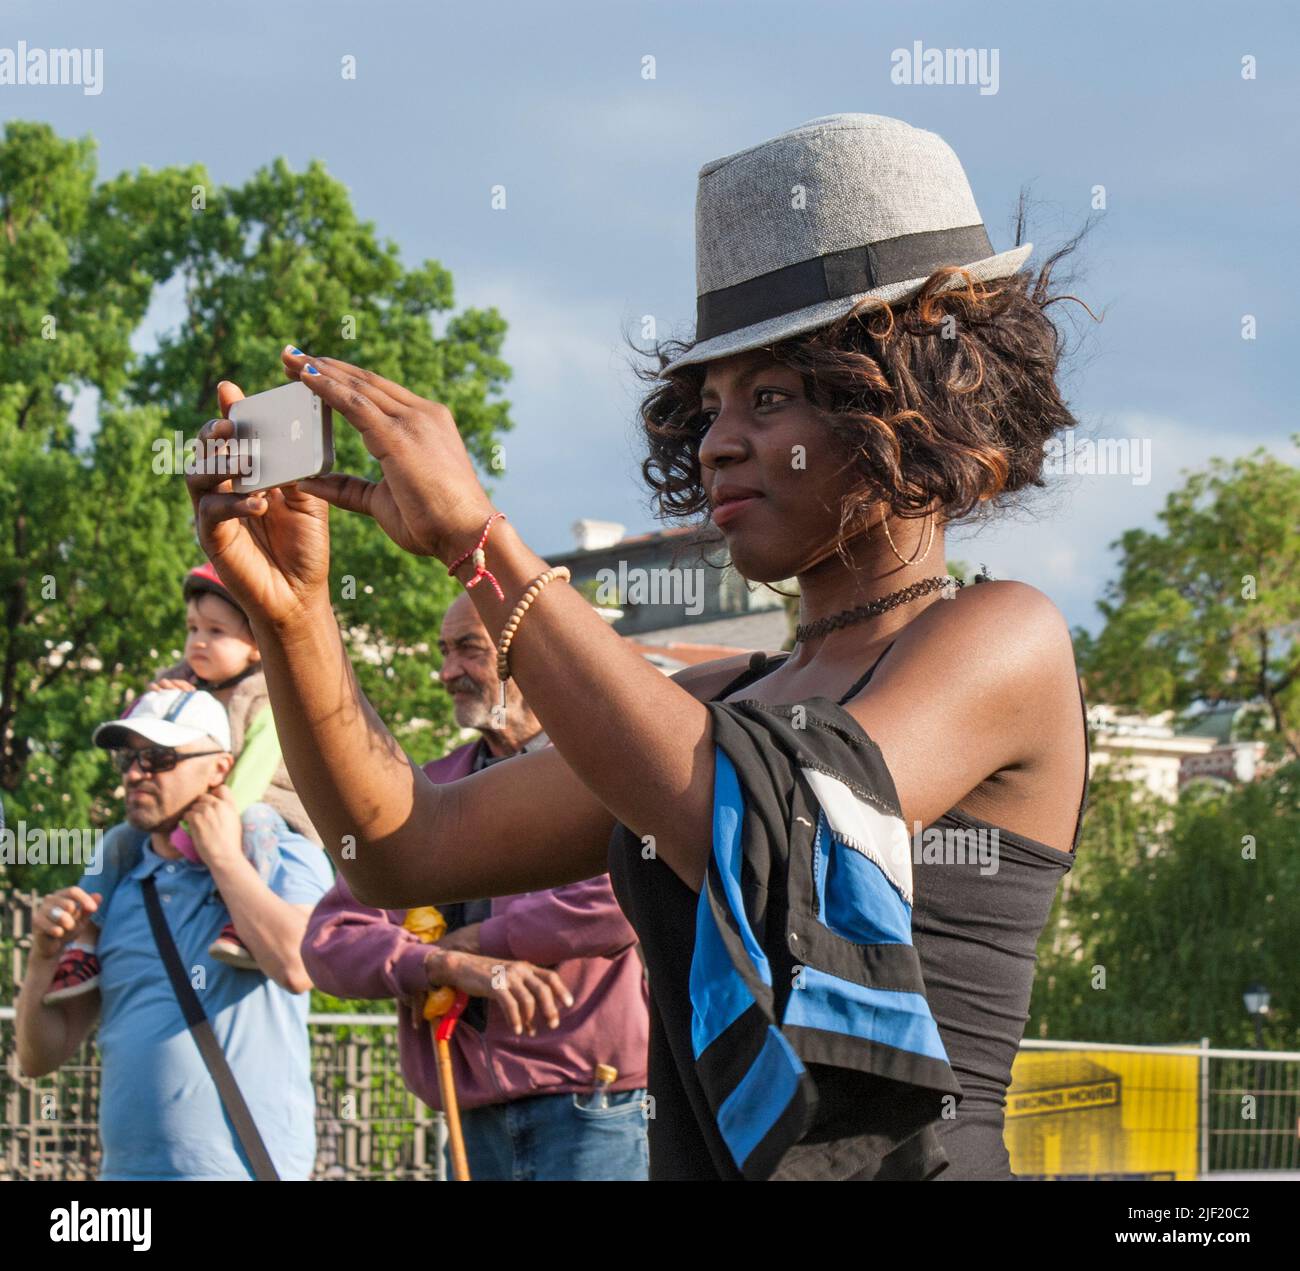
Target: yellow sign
x=1102 y=1114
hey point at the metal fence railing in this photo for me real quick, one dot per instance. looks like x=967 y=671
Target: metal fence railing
x=1098 y=1109
x=368 y=1124
x=1074 y=1109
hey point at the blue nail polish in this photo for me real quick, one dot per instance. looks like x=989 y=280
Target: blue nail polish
x=293 y=350
x=311 y=370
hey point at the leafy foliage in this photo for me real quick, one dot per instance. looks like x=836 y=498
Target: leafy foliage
x=1170 y=911
x=1210 y=608
x=93 y=542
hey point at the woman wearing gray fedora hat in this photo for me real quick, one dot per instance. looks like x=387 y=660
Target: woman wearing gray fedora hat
x=838 y=862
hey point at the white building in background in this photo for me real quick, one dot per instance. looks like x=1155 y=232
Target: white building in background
x=674 y=589
x=1229 y=762
x=1145 y=746
x=1165 y=753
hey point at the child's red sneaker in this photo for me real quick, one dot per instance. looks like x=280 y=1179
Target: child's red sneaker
x=77 y=973
x=231 y=950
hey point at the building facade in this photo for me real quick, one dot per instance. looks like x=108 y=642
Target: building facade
x=674 y=587
x=1166 y=753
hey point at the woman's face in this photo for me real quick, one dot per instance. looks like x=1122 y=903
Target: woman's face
x=774 y=476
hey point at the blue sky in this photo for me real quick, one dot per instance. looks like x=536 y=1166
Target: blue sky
x=1199 y=166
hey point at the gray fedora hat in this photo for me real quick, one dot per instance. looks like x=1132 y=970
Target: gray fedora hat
x=790 y=234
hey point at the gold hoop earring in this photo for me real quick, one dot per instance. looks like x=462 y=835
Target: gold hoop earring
x=884 y=520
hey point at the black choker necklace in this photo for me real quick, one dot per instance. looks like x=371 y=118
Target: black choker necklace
x=846 y=618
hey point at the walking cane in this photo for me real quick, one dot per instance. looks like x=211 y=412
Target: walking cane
x=442 y=1022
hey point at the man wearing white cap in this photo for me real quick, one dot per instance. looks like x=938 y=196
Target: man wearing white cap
x=188 y=1091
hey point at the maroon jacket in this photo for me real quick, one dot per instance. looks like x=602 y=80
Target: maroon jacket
x=354 y=951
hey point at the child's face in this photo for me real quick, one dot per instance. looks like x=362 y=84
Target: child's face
x=218 y=643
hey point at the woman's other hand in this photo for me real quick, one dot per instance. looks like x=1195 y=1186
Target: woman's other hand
x=272 y=548
x=429 y=500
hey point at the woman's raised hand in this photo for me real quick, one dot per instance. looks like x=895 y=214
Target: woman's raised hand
x=429 y=500
x=271 y=548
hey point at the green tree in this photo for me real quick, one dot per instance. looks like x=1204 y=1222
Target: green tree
x=82 y=580
x=1209 y=609
x=93 y=541
x=1170 y=911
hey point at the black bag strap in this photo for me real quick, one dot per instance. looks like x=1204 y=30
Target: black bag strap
x=232 y=1098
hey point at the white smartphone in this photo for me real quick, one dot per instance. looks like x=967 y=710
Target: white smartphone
x=284 y=434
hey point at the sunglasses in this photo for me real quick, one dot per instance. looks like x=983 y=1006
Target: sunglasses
x=152 y=758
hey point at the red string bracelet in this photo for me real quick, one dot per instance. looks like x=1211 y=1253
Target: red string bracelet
x=480 y=569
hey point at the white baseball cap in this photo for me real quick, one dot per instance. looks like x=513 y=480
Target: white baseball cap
x=169 y=717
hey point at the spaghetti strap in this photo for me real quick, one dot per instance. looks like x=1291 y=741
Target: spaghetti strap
x=861 y=683
x=1087 y=765
x=759 y=665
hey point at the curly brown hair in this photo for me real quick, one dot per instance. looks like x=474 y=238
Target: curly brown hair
x=951 y=396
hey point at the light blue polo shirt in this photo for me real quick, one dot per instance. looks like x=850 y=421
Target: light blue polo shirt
x=160 y=1116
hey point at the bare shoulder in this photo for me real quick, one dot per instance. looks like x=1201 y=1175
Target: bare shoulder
x=1011 y=629
x=1002 y=604
x=993 y=665
x=707 y=678
x=977 y=687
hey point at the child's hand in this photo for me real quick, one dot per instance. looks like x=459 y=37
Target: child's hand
x=185 y=686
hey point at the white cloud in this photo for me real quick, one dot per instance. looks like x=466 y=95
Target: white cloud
x=571 y=453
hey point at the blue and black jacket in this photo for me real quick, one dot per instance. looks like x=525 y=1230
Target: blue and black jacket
x=812 y=1036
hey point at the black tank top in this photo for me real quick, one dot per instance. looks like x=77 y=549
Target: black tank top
x=975 y=934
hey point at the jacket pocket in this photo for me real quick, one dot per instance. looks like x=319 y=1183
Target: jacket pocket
x=854 y=898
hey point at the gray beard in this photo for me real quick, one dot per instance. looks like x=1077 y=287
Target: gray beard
x=475 y=714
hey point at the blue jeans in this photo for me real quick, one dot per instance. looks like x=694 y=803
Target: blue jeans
x=554 y=1138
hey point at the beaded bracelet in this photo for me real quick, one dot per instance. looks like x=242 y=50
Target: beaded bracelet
x=512 y=623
